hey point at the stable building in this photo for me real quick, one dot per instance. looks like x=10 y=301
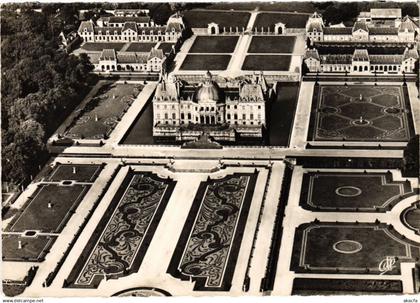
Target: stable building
x=185 y=112
x=361 y=62
x=403 y=30
x=114 y=61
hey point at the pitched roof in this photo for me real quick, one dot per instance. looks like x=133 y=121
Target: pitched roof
x=407 y=24
x=251 y=93
x=111 y=30
x=155 y=53
x=383 y=31
x=411 y=53
x=360 y=25
x=108 y=54
x=312 y=53
x=130 y=25
x=337 y=30
x=86 y=25
x=336 y=59
x=385 y=59
x=173 y=25
x=315 y=25
x=361 y=55
x=131 y=57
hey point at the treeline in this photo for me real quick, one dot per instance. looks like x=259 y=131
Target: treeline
x=40 y=85
x=337 y=12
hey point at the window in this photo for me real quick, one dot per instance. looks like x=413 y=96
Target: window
x=173 y=116
x=228 y=116
x=243 y=116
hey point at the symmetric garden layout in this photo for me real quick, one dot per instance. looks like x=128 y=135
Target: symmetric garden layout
x=360 y=113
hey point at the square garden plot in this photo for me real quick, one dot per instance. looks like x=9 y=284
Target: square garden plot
x=37 y=215
x=360 y=113
x=356 y=248
x=337 y=191
x=33 y=249
x=205 y=62
x=214 y=44
x=267 y=62
x=76 y=172
x=272 y=44
x=103 y=112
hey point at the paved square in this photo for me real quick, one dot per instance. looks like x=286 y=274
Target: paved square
x=360 y=113
x=335 y=191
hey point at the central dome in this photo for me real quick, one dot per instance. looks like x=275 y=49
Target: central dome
x=209 y=90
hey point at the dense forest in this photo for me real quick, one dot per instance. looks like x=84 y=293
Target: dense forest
x=39 y=86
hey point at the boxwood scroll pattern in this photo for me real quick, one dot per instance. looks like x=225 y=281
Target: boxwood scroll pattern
x=120 y=241
x=209 y=244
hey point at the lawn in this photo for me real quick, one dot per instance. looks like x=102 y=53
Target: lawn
x=103 y=112
x=201 y=19
x=37 y=215
x=214 y=44
x=33 y=248
x=350 y=247
x=281 y=114
x=267 y=62
x=351 y=191
x=272 y=44
x=289 y=19
x=142 y=47
x=99 y=46
x=83 y=172
x=359 y=113
x=205 y=62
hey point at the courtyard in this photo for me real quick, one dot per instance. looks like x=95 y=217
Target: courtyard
x=201 y=18
x=360 y=113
